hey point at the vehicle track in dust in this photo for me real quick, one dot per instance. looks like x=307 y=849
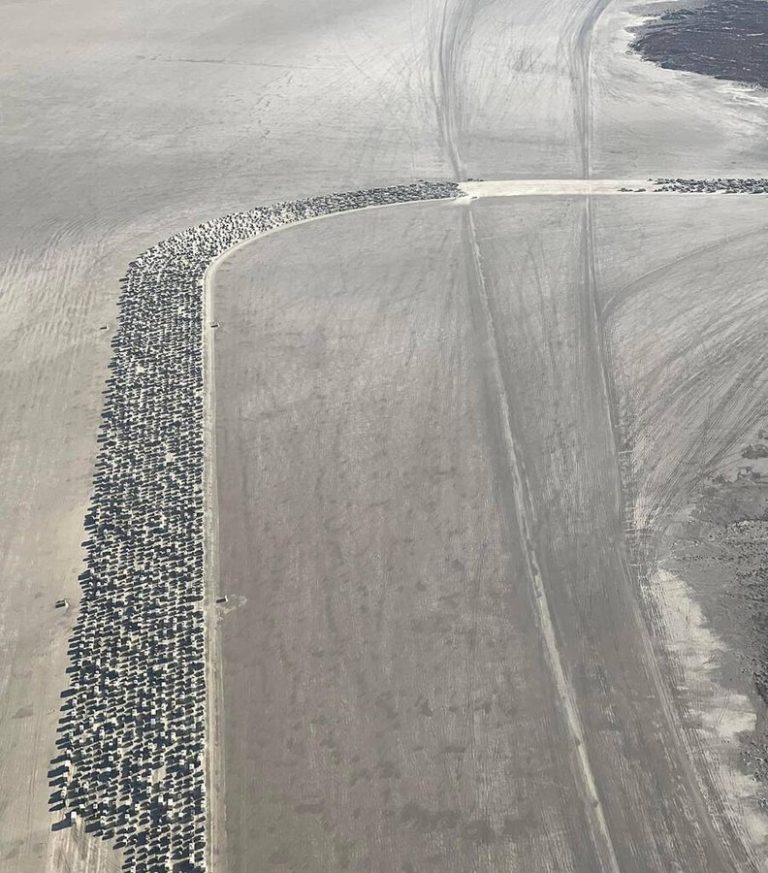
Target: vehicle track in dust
x=600 y=831
x=576 y=42
x=450 y=35
x=682 y=825
x=599 y=416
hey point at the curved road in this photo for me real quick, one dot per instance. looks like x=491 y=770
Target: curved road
x=180 y=117
x=453 y=403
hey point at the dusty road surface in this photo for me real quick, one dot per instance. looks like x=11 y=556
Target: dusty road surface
x=124 y=124
x=435 y=657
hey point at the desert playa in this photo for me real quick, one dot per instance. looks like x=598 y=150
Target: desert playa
x=385 y=438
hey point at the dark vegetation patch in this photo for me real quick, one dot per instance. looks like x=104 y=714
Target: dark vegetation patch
x=727 y=39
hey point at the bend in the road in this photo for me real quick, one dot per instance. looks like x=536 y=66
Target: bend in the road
x=173 y=271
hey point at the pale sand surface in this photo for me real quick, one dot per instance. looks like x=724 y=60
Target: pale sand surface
x=72 y=850
x=359 y=448
x=686 y=312
x=686 y=316
x=216 y=835
x=342 y=663
x=722 y=717
x=554 y=187
x=108 y=144
x=123 y=124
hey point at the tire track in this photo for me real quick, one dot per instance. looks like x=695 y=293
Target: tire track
x=600 y=832
x=702 y=791
x=453 y=31
x=641 y=283
x=580 y=62
x=583 y=116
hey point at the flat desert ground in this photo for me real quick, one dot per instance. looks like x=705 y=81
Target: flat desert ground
x=390 y=700
x=478 y=462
